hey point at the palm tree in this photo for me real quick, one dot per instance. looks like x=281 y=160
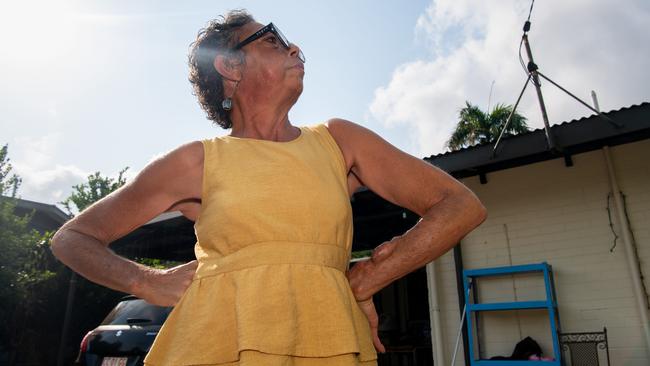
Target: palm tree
x=477 y=127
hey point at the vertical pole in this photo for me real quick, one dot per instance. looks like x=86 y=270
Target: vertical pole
x=458 y=265
x=594 y=98
x=532 y=68
x=402 y=305
x=434 y=315
x=66 y=319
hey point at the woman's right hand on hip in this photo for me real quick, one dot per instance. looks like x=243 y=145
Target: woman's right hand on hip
x=166 y=287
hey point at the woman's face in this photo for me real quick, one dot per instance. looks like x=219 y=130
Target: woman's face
x=270 y=68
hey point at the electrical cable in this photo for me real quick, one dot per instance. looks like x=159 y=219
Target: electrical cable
x=611 y=223
x=531 y=10
x=462 y=323
x=521 y=59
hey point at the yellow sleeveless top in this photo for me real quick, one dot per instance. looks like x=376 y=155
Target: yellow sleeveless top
x=273 y=244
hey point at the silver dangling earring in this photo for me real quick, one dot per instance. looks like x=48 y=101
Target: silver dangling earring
x=226 y=104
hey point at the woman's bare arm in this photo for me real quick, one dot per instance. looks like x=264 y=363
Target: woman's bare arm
x=82 y=243
x=448 y=209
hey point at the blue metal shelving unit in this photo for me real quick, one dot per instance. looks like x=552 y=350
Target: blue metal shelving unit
x=550 y=304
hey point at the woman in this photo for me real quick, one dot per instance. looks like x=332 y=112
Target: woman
x=273 y=220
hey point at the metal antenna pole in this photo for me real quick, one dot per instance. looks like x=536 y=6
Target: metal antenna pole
x=534 y=74
x=532 y=68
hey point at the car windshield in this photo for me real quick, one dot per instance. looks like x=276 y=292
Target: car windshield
x=137 y=311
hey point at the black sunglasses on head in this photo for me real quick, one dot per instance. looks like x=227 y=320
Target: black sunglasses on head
x=272 y=29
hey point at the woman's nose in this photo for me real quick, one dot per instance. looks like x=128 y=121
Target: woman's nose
x=295 y=51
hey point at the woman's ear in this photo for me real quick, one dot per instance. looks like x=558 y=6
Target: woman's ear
x=228 y=67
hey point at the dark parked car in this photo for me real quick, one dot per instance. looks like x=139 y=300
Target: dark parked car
x=125 y=335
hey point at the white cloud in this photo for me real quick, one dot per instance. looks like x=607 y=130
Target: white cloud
x=49 y=185
x=36 y=152
x=581 y=44
x=42 y=180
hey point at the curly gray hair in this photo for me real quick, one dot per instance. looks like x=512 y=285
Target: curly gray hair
x=218 y=37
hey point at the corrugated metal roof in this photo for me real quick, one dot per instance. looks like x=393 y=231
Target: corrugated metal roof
x=579 y=120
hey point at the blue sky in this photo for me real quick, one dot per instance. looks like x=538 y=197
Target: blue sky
x=100 y=85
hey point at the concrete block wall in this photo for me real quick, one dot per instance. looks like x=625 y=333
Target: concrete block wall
x=549 y=212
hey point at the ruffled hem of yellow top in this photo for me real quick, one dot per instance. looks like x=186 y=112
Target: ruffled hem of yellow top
x=286 y=309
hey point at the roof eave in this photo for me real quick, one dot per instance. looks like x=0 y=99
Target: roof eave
x=586 y=134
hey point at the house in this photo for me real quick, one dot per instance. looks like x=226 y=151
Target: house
x=45 y=217
x=559 y=207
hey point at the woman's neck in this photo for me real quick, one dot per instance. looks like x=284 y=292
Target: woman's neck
x=258 y=122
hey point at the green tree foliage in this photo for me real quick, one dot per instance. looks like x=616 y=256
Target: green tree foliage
x=477 y=127
x=96 y=188
x=34 y=284
x=361 y=254
x=9 y=182
x=25 y=271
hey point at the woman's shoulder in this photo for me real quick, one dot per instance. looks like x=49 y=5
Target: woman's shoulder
x=343 y=130
x=346 y=134
x=187 y=158
x=190 y=153
x=333 y=127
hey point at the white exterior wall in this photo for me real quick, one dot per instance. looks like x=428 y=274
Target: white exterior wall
x=549 y=212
